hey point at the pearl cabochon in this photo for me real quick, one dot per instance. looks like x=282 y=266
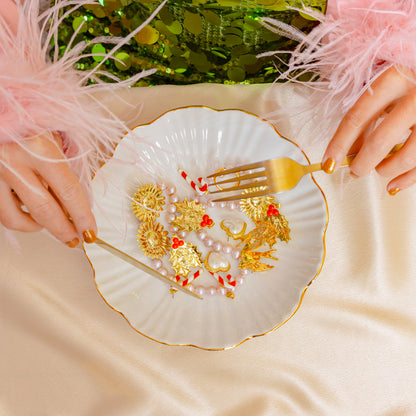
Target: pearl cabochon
x=200 y=140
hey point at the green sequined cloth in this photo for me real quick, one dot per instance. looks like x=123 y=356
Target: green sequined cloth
x=190 y=41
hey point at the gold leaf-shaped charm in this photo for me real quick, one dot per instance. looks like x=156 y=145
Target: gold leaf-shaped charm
x=256 y=207
x=184 y=256
x=191 y=216
x=147 y=201
x=215 y=263
x=153 y=240
x=281 y=226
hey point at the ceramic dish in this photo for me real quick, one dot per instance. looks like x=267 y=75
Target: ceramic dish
x=200 y=140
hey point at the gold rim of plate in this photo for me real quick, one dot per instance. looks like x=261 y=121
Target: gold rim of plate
x=303 y=291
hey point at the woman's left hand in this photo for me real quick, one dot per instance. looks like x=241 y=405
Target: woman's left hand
x=392 y=94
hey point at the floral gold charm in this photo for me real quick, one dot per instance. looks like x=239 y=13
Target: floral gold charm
x=215 y=262
x=147 y=201
x=184 y=256
x=153 y=240
x=192 y=216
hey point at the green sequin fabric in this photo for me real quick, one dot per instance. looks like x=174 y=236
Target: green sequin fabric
x=189 y=41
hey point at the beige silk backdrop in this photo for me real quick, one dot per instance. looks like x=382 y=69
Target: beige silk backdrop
x=349 y=350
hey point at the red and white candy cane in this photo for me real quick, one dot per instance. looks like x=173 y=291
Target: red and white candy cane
x=185 y=281
x=201 y=189
x=228 y=282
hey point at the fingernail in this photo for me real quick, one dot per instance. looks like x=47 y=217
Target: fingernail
x=394 y=191
x=73 y=243
x=89 y=236
x=329 y=165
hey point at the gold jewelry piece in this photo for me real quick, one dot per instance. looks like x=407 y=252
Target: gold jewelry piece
x=183 y=256
x=251 y=259
x=147 y=201
x=153 y=240
x=215 y=263
x=256 y=208
x=234 y=228
x=192 y=216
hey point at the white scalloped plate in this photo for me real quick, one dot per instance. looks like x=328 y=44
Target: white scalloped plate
x=201 y=140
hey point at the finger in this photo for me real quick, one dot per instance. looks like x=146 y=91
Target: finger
x=402 y=182
x=11 y=216
x=69 y=192
x=402 y=161
x=384 y=90
x=388 y=133
x=42 y=206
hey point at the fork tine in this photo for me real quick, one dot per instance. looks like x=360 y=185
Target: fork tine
x=237 y=169
x=244 y=186
x=241 y=178
x=243 y=196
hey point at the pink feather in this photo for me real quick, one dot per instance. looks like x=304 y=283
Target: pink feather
x=353 y=44
x=39 y=95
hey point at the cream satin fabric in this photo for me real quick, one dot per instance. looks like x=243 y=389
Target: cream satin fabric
x=349 y=350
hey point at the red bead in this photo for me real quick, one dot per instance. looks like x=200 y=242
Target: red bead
x=181 y=242
x=175 y=239
x=205 y=217
x=210 y=222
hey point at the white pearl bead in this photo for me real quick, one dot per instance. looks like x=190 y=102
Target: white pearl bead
x=173 y=198
x=208 y=241
x=197 y=199
x=227 y=248
x=240 y=280
x=211 y=204
x=171 y=190
x=232 y=205
x=163 y=271
x=191 y=287
x=174 y=229
x=162 y=186
x=236 y=254
x=182 y=234
x=171 y=217
x=172 y=209
x=221 y=290
x=202 y=234
x=222 y=204
x=157 y=264
x=200 y=290
x=211 y=291
x=244 y=272
x=217 y=246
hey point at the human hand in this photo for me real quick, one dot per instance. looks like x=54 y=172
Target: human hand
x=48 y=189
x=392 y=93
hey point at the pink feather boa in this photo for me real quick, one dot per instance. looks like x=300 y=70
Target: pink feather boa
x=353 y=44
x=40 y=96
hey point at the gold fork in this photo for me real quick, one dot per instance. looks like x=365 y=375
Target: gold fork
x=274 y=176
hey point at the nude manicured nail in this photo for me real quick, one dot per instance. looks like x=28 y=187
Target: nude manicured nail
x=89 y=236
x=394 y=191
x=329 y=165
x=73 y=243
